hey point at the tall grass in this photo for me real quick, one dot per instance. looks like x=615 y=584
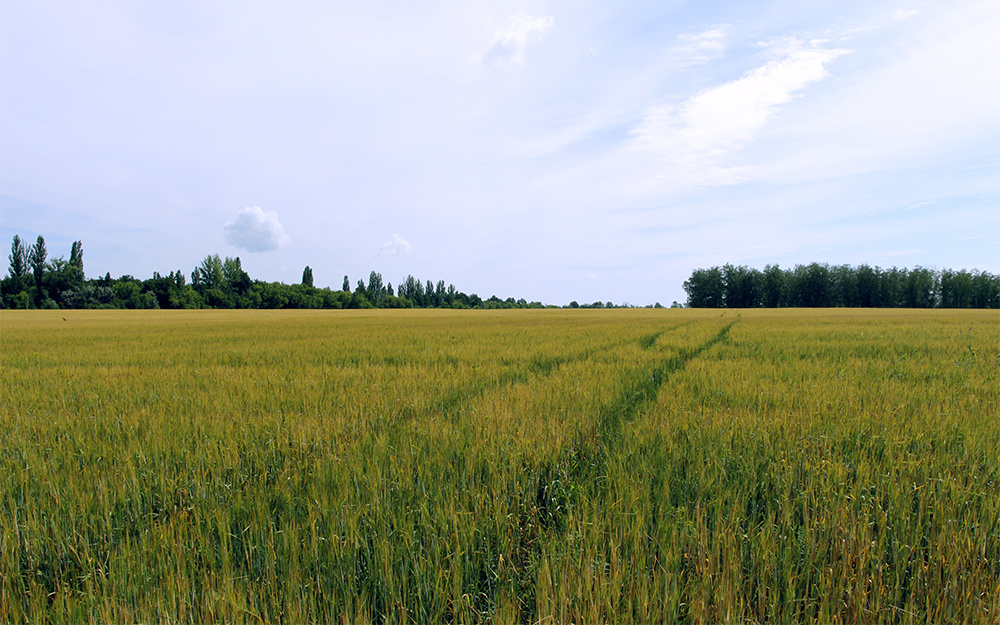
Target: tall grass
x=509 y=466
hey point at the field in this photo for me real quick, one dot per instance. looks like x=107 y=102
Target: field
x=552 y=466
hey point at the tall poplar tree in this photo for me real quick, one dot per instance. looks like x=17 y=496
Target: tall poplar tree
x=36 y=260
x=18 y=263
x=76 y=254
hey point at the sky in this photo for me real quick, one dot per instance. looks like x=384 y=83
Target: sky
x=545 y=150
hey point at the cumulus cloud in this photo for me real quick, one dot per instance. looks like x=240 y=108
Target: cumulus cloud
x=694 y=136
x=395 y=247
x=511 y=39
x=256 y=231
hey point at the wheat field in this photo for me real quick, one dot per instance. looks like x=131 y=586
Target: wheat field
x=534 y=466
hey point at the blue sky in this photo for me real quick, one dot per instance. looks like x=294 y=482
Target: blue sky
x=547 y=150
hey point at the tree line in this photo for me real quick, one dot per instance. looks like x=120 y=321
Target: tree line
x=36 y=281
x=819 y=285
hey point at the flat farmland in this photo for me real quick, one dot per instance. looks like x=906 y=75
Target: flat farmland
x=532 y=466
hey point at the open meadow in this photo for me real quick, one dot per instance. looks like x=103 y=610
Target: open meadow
x=546 y=466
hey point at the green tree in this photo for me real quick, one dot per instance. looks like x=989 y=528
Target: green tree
x=36 y=261
x=335 y=299
x=742 y=286
x=920 y=288
x=867 y=285
x=18 y=269
x=358 y=299
x=956 y=289
x=171 y=291
x=221 y=283
x=376 y=290
x=274 y=295
x=66 y=275
x=845 y=286
x=18 y=263
x=705 y=289
x=307 y=276
x=159 y=286
x=772 y=287
x=811 y=286
x=440 y=294
x=129 y=294
x=346 y=288
x=208 y=275
x=76 y=256
x=985 y=290
x=235 y=281
x=413 y=290
x=59 y=276
x=893 y=288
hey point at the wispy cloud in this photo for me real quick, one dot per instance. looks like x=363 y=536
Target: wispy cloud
x=512 y=38
x=699 y=141
x=692 y=140
x=702 y=46
x=625 y=96
x=254 y=230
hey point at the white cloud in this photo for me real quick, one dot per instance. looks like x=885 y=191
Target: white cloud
x=916 y=100
x=704 y=45
x=511 y=39
x=623 y=96
x=395 y=247
x=256 y=231
x=691 y=140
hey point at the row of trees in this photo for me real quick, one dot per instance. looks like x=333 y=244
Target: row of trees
x=32 y=275
x=35 y=281
x=823 y=285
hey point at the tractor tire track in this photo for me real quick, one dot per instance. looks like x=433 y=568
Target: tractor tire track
x=540 y=366
x=550 y=489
